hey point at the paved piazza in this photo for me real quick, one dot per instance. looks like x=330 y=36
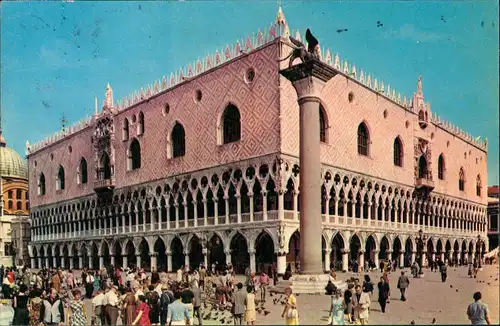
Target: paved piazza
x=428 y=298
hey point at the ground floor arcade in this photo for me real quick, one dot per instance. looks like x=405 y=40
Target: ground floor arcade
x=256 y=247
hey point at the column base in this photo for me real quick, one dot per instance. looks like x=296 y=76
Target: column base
x=307 y=284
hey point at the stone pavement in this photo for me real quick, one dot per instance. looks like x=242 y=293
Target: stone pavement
x=428 y=298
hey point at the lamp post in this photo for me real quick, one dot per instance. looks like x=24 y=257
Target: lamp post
x=478 y=251
x=420 y=248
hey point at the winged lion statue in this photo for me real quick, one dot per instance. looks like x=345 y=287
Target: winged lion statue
x=300 y=51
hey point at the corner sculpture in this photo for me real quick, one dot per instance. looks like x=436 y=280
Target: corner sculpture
x=299 y=49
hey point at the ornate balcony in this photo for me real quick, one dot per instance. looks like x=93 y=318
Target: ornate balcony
x=424 y=184
x=104 y=185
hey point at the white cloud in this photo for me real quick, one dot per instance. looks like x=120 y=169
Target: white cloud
x=409 y=32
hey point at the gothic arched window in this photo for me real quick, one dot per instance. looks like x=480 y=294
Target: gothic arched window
x=322 y=124
x=60 y=179
x=125 y=133
x=140 y=125
x=398 y=152
x=363 y=140
x=82 y=172
x=231 y=124
x=461 y=179
x=105 y=167
x=134 y=155
x=178 y=141
x=422 y=167
x=478 y=185
x=441 y=167
x=41 y=184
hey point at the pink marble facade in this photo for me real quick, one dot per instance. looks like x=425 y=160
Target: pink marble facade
x=269 y=115
x=257 y=102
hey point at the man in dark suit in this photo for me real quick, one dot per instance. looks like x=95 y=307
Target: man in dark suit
x=238 y=301
x=403 y=283
x=383 y=293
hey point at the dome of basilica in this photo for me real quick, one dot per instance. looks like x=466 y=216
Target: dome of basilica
x=12 y=165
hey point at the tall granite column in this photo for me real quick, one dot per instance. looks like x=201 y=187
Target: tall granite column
x=308 y=79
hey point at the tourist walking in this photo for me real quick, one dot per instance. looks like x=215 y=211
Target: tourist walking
x=52 y=310
x=250 y=315
x=142 y=318
x=195 y=289
x=264 y=281
x=403 y=284
x=178 y=313
x=368 y=286
x=337 y=309
x=98 y=309
x=348 y=294
x=361 y=304
x=290 y=312
x=383 y=293
x=20 y=305
x=478 y=312
x=444 y=272
x=130 y=307
x=77 y=315
x=238 y=300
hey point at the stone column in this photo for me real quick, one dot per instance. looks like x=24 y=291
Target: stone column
x=186 y=259
x=442 y=256
x=238 y=208
x=251 y=252
x=264 y=204
x=375 y=258
x=125 y=261
x=401 y=259
x=205 y=257
x=169 y=261
x=281 y=205
x=71 y=262
x=308 y=79
x=345 y=260
x=91 y=266
x=32 y=263
x=112 y=260
x=326 y=254
x=160 y=217
x=154 y=263
x=63 y=262
x=226 y=203
x=54 y=261
x=433 y=256
x=295 y=205
x=413 y=254
x=39 y=263
x=228 y=256
x=281 y=263
x=80 y=261
x=101 y=261
x=422 y=258
x=205 y=213
x=138 y=260
x=361 y=258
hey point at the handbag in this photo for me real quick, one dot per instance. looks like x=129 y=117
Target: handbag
x=292 y=313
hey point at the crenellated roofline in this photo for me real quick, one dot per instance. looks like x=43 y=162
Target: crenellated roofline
x=278 y=30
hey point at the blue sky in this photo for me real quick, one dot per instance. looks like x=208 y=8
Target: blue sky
x=56 y=57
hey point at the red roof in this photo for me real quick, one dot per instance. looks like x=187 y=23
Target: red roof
x=493 y=191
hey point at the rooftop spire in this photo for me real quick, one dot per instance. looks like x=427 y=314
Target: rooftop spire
x=419 y=85
x=280 y=18
x=109 y=97
x=96 y=107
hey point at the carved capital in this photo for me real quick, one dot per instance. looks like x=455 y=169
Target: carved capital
x=168 y=253
x=227 y=251
x=186 y=253
x=251 y=251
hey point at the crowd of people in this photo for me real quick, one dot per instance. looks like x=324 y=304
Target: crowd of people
x=130 y=297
